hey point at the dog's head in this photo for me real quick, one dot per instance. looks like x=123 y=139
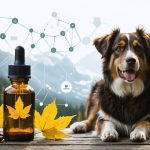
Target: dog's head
x=126 y=60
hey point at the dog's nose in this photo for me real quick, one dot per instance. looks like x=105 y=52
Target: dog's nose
x=130 y=60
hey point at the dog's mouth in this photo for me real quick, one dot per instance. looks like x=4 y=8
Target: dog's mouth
x=128 y=75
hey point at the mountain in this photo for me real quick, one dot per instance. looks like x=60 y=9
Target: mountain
x=48 y=73
x=91 y=64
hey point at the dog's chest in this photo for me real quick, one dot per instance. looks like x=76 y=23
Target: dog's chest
x=127 y=110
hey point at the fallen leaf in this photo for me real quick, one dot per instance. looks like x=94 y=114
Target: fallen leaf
x=19 y=111
x=49 y=113
x=1 y=116
x=54 y=134
x=47 y=124
x=62 y=122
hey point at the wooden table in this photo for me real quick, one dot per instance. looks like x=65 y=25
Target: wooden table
x=75 y=142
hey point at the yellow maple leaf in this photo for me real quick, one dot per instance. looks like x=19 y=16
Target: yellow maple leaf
x=47 y=124
x=19 y=111
x=53 y=134
x=1 y=116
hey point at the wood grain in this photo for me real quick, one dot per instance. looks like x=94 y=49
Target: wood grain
x=76 y=141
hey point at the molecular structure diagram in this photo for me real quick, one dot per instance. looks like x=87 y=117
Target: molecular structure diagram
x=65 y=87
x=63 y=32
x=50 y=40
x=96 y=23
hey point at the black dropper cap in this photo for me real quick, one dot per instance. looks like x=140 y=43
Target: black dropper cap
x=19 y=69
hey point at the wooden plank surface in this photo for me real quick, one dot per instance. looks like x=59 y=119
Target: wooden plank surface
x=76 y=141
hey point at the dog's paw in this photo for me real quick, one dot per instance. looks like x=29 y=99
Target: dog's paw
x=109 y=136
x=79 y=127
x=137 y=136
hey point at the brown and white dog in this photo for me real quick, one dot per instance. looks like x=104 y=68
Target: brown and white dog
x=120 y=103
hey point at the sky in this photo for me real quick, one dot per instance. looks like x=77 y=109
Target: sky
x=37 y=14
x=126 y=14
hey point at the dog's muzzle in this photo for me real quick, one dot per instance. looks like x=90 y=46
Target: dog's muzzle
x=130 y=71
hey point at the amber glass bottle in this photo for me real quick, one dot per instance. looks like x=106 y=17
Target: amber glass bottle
x=19 y=102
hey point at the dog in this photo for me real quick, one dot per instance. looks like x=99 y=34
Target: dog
x=119 y=104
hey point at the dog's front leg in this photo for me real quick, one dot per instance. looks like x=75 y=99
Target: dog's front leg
x=107 y=131
x=140 y=132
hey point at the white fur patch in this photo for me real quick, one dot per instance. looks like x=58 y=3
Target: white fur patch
x=122 y=88
x=138 y=135
x=128 y=36
x=101 y=115
x=94 y=134
x=109 y=132
x=79 y=127
x=130 y=54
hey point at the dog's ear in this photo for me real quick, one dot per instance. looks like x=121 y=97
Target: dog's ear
x=103 y=43
x=143 y=35
x=145 y=39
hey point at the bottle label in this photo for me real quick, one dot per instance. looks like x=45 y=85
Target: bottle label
x=19 y=112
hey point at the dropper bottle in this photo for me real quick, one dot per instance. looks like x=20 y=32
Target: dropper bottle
x=19 y=101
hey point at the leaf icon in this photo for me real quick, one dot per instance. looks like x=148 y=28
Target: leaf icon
x=19 y=111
